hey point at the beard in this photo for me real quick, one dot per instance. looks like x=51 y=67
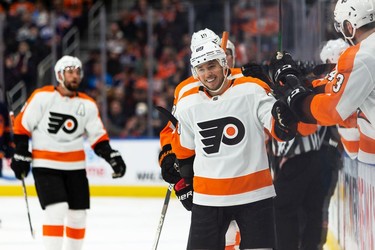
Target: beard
x=71 y=86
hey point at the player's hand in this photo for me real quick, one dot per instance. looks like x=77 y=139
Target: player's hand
x=184 y=193
x=117 y=163
x=21 y=162
x=281 y=65
x=256 y=70
x=168 y=164
x=285 y=121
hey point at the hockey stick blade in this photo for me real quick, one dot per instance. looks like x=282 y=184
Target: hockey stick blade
x=168 y=115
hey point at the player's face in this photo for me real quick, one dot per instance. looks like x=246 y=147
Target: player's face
x=211 y=74
x=229 y=55
x=72 y=77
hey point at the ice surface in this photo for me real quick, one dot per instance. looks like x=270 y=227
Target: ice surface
x=112 y=224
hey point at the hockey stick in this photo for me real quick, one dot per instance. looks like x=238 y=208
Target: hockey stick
x=11 y=117
x=174 y=121
x=280 y=35
x=224 y=40
x=162 y=216
x=27 y=207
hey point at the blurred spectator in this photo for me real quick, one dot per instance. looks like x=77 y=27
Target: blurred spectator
x=20 y=7
x=137 y=125
x=11 y=74
x=25 y=65
x=116 y=119
x=94 y=80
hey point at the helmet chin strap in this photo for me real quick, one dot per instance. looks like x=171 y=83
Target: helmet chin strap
x=225 y=72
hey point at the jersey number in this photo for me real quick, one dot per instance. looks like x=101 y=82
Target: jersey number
x=339 y=81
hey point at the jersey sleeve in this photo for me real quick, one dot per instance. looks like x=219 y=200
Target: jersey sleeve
x=344 y=94
x=94 y=127
x=30 y=115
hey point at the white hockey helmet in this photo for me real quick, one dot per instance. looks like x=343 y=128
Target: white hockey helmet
x=205 y=53
x=203 y=36
x=356 y=12
x=332 y=50
x=63 y=63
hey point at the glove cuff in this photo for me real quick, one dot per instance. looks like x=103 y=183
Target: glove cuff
x=180 y=185
x=103 y=149
x=22 y=142
x=186 y=169
x=166 y=150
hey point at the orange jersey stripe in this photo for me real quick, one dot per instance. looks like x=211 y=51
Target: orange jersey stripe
x=60 y=156
x=75 y=233
x=305 y=129
x=249 y=79
x=351 y=146
x=232 y=186
x=53 y=230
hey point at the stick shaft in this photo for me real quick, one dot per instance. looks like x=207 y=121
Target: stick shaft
x=11 y=117
x=162 y=217
x=280 y=35
x=27 y=207
x=224 y=40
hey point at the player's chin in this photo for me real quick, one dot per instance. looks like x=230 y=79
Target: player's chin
x=73 y=86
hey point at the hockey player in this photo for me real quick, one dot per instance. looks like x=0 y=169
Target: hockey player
x=56 y=119
x=330 y=53
x=349 y=87
x=6 y=147
x=306 y=174
x=219 y=143
x=167 y=157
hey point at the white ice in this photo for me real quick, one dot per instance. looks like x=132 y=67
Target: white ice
x=112 y=224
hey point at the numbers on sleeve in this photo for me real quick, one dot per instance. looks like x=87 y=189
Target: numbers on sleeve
x=339 y=81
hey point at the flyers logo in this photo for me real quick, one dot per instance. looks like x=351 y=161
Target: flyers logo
x=68 y=123
x=228 y=130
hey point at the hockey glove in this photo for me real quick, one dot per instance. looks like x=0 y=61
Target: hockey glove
x=8 y=146
x=255 y=70
x=288 y=80
x=21 y=160
x=113 y=157
x=168 y=165
x=285 y=121
x=184 y=193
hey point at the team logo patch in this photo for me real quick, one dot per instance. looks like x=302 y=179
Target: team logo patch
x=59 y=121
x=228 y=130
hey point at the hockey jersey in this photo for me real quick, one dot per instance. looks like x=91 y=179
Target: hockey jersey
x=57 y=126
x=226 y=134
x=186 y=85
x=350 y=89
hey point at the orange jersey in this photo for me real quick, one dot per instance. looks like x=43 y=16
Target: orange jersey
x=57 y=125
x=350 y=89
x=226 y=135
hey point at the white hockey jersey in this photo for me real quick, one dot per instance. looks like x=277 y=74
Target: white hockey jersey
x=226 y=134
x=351 y=87
x=57 y=126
